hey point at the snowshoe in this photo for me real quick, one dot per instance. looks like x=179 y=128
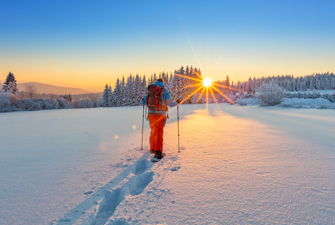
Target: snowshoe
x=158 y=156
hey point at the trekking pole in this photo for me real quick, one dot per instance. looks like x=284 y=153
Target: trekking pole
x=142 y=128
x=178 y=127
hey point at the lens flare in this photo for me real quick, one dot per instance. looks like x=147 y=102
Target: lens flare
x=207 y=82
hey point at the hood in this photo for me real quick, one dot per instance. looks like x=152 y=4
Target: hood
x=160 y=83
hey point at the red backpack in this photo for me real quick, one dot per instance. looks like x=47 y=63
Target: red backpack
x=155 y=99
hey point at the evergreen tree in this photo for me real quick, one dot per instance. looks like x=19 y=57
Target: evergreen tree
x=332 y=83
x=10 y=84
x=116 y=100
x=129 y=94
x=143 y=87
x=110 y=97
x=137 y=93
x=122 y=93
x=227 y=83
x=105 y=97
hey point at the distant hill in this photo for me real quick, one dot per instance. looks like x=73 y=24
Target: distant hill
x=51 y=89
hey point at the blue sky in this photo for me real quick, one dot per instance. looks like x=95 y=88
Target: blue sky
x=89 y=43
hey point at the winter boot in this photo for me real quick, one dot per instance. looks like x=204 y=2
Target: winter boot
x=158 y=155
x=152 y=151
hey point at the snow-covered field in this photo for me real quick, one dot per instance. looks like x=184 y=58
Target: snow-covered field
x=238 y=165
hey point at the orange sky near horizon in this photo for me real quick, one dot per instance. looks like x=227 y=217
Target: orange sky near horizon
x=91 y=75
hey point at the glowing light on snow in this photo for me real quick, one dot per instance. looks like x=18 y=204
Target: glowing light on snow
x=207 y=82
x=116 y=136
x=103 y=147
x=134 y=127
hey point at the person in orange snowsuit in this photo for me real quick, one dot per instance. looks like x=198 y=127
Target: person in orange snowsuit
x=157 y=119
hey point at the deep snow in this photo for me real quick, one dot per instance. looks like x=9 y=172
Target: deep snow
x=238 y=165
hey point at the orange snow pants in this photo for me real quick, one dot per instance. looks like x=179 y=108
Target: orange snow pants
x=157 y=124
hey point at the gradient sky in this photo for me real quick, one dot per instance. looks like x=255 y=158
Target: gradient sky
x=91 y=43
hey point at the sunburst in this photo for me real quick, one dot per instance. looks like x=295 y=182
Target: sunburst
x=202 y=84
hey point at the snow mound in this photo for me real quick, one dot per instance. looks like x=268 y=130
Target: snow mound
x=247 y=101
x=320 y=103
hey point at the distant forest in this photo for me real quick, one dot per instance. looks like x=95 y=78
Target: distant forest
x=182 y=84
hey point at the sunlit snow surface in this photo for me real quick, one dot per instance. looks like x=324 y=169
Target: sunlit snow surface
x=238 y=165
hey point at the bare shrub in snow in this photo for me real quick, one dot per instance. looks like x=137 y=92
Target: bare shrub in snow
x=270 y=94
x=82 y=103
x=30 y=90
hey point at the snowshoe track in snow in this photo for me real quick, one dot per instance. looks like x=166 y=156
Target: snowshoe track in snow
x=141 y=166
x=101 y=207
x=138 y=183
x=134 y=186
x=108 y=205
x=112 y=196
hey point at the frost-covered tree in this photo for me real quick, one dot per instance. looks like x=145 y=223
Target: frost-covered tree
x=122 y=94
x=67 y=97
x=83 y=103
x=99 y=102
x=10 y=84
x=105 y=97
x=129 y=92
x=110 y=96
x=332 y=83
x=137 y=93
x=117 y=94
x=270 y=93
x=143 y=87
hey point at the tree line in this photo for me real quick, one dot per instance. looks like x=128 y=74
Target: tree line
x=182 y=84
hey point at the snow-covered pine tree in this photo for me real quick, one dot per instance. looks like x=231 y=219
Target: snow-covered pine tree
x=178 y=84
x=332 y=83
x=131 y=95
x=116 y=99
x=172 y=86
x=137 y=93
x=143 y=87
x=105 y=97
x=127 y=92
x=154 y=78
x=10 y=84
x=226 y=84
x=318 y=84
x=122 y=93
x=110 y=96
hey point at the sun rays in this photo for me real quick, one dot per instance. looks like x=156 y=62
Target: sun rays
x=203 y=84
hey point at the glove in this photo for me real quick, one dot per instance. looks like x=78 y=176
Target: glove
x=178 y=101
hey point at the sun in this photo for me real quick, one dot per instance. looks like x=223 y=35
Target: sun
x=207 y=82
x=204 y=85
